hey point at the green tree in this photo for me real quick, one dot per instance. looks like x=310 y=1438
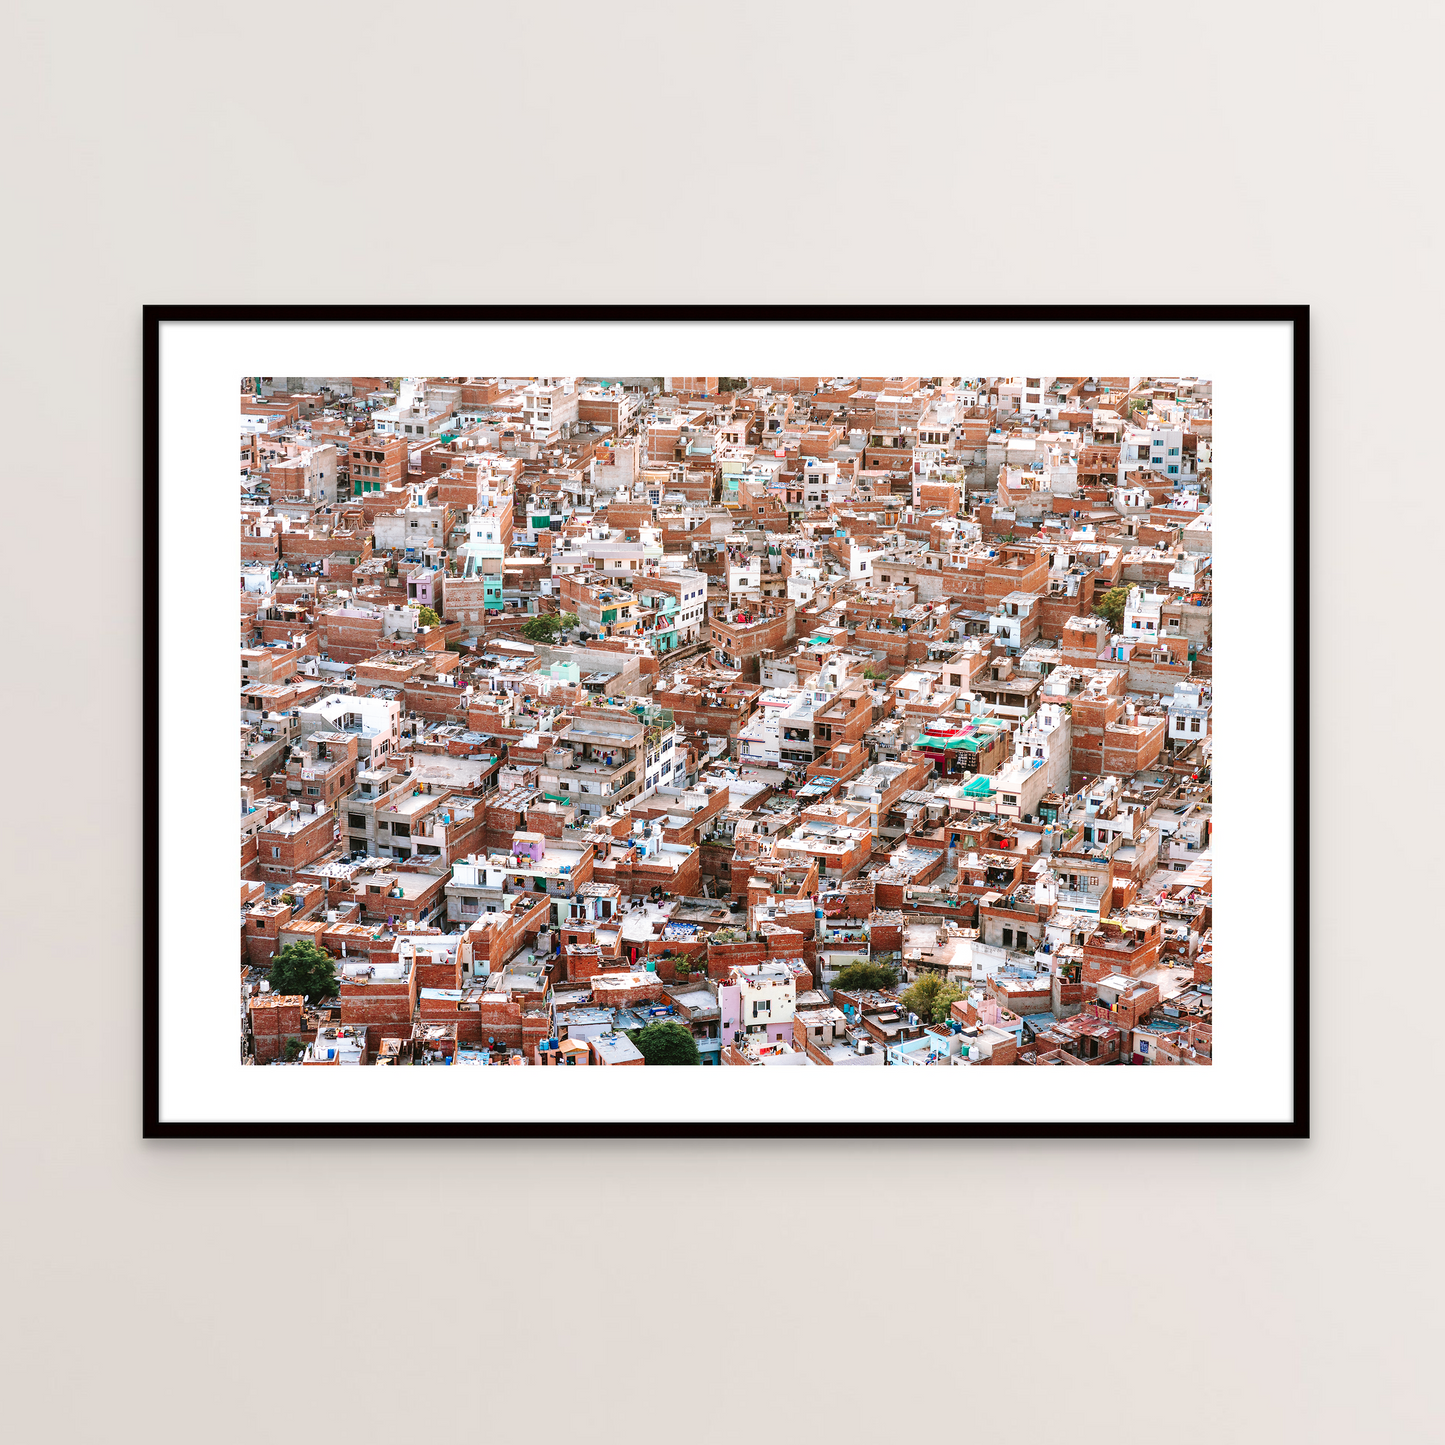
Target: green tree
x=929 y=996
x=546 y=626
x=732 y=383
x=666 y=1042
x=540 y=629
x=305 y=969
x=1111 y=607
x=428 y=618
x=293 y=1047
x=862 y=974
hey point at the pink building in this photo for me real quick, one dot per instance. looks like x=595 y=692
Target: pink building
x=757 y=1000
x=424 y=587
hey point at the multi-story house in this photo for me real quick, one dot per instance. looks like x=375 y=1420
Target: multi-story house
x=598 y=760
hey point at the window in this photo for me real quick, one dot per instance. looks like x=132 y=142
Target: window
x=1194 y=724
x=313 y=792
x=275 y=852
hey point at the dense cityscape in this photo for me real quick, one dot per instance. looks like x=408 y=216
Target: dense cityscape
x=768 y=720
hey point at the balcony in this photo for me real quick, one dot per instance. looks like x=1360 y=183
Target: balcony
x=598 y=767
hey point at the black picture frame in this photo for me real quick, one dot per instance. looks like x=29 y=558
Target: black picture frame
x=1297 y=1127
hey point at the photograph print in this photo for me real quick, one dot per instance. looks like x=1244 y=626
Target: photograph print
x=860 y=721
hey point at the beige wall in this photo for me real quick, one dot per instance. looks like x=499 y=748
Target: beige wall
x=149 y=1294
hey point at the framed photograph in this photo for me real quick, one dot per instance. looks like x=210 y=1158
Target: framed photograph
x=737 y=745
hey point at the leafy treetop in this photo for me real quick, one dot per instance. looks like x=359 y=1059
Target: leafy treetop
x=545 y=627
x=929 y=996
x=665 y=1042
x=1111 y=607
x=305 y=969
